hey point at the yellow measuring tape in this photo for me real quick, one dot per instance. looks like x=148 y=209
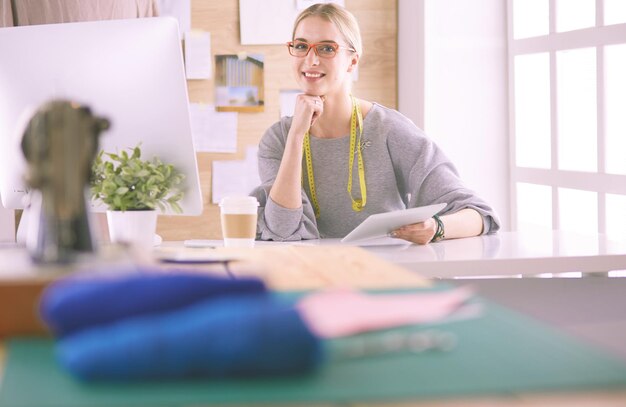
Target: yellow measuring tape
x=356 y=120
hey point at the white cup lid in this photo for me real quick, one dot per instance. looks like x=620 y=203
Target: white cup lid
x=239 y=201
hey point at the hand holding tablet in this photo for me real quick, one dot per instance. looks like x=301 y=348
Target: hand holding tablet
x=381 y=224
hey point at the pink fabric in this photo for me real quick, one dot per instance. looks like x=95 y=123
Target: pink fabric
x=337 y=313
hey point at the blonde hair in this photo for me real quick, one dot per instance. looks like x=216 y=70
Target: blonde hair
x=342 y=18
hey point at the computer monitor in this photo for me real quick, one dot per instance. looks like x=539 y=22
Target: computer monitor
x=129 y=71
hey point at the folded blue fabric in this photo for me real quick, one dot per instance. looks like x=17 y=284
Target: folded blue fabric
x=222 y=337
x=74 y=304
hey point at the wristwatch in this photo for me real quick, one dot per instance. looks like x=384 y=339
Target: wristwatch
x=440 y=233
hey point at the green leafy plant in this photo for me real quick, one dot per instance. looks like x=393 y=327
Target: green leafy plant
x=125 y=182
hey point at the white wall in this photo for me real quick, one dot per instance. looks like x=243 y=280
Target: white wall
x=452 y=82
x=7 y=225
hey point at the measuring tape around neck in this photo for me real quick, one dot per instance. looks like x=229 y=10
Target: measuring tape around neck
x=356 y=120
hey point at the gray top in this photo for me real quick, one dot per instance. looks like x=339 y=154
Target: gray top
x=403 y=169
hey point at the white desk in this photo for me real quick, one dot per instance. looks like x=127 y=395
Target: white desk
x=508 y=254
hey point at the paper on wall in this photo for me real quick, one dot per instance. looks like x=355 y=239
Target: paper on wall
x=229 y=178
x=252 y=167
x=302 y=4
x=267 y=21
x=198 y=55
x=213 y=131
x=180 y=10
x=236 y=177
x=288 y=101
x=271 y=21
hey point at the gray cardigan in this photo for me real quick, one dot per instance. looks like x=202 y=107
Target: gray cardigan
x=403 y=169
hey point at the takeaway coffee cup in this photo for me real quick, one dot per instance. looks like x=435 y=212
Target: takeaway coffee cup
x=239 y=214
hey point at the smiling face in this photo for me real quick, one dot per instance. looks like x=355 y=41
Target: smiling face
x=323 y=76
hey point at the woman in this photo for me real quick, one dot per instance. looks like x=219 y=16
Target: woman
x=340 y=159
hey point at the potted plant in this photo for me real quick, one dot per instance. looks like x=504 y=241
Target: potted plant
x=133 y=189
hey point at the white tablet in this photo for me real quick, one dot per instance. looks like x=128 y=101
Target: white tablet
x=381 y=224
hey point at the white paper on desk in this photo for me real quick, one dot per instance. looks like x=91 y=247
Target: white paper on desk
x=180 y=10
x=213 y=131
x=288 y=101
x=198 y=55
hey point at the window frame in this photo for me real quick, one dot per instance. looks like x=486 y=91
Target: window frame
x=600 y=182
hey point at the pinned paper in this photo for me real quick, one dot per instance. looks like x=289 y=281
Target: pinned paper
x=198 y=55
x=302 y=4
x=266 y=22
x=239 y=82
x=252 y=166
x=288 y=101
x=235 y=177
x=180 y=10
x=271 y=21
x=213 y=131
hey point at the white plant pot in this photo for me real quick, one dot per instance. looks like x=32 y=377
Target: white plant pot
x=132 y=227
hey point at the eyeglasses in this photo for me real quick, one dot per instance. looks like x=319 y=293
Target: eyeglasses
x=301 y=49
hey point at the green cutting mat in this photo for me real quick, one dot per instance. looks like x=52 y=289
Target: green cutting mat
x=498 y=353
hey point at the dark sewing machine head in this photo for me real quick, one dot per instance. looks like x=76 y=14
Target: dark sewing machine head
x=59 y=143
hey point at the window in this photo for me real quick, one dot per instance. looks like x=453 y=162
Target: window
x=574 y=14
x=615 y=216
x=615 y=97
x=614 y=12
x=576 y=107
x=530 y=18
x=532 y=101
x=535 y=206
x=567 y=60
